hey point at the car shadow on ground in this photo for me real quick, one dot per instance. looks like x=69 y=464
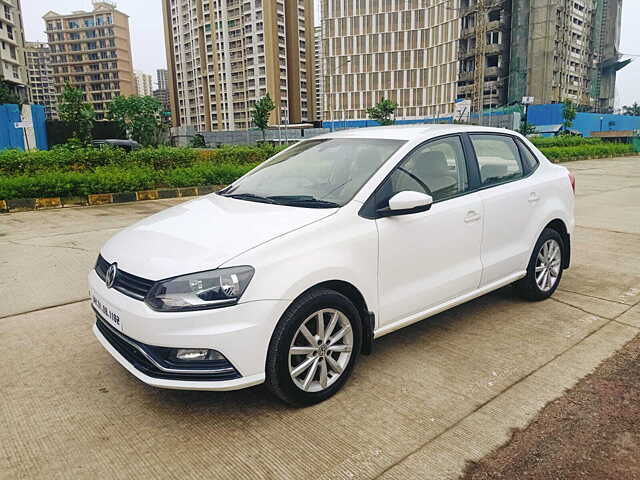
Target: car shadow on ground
x=422 y=336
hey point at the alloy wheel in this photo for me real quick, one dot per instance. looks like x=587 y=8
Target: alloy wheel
x=320 y=350
x=548 y=264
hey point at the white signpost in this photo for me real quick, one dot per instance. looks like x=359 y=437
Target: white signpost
x=462 y=111
x=24 y=126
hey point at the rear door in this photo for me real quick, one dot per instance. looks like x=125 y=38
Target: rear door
x=510 y=200
x=428 y=258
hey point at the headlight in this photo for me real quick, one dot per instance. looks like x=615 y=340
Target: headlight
x=200 y=291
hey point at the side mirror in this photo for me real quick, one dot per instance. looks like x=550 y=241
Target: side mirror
x=406 y=203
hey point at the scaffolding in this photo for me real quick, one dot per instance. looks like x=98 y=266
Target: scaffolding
x=480 y=60
x=476 y=47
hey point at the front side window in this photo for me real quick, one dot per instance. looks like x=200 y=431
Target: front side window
x=437 y=168
x=498 y=158
x=324 y=173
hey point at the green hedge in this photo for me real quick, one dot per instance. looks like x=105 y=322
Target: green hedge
x=587 y=151
x=65 y=171
x=114 y=179
x=564 y=141
x=65 y=159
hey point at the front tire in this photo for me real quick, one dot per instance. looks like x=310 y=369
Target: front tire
x=544 y=271
x=313 y=348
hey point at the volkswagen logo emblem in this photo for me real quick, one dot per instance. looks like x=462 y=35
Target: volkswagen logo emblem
x=110 y=277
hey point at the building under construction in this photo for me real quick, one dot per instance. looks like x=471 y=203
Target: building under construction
x=552 y=50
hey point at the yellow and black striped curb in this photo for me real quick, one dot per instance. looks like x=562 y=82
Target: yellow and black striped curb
x=27 y=204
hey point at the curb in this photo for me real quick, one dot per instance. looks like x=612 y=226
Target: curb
x=30 y=204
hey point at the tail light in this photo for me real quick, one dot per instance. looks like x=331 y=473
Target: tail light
x=572 y=179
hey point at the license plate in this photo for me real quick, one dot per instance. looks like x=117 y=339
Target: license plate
x=106 y=311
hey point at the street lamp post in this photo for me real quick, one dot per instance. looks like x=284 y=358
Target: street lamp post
x=329 y=102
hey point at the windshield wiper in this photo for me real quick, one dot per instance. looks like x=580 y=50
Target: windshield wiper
x=249 y=196
x=302 y=201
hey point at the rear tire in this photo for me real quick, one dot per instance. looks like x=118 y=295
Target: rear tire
x=544 y=271
x=308 y=362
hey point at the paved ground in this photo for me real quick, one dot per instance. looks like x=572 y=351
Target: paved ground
x=432 y=396
x=591 y=432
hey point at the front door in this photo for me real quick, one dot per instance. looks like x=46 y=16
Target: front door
x=428 y=258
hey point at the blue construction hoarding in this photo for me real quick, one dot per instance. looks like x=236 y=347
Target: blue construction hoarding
x=12 y=136
x=585 y=123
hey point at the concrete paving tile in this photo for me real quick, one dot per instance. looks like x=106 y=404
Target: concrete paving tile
x=631 y=317
x=602 y=308
x=448 y=388
x=489 y=427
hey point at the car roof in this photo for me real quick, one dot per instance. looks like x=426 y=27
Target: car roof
x=411 y=132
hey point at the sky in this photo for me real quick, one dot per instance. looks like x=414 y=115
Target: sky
x=147 y=36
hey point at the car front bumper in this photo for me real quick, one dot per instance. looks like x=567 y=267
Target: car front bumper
x=241 y=333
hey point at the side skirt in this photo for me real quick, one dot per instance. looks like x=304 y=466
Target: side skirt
x=392 y=327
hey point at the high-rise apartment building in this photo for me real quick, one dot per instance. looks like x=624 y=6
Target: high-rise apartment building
x=92 y=52
x=162 y=96
x=161 y=79
x=42 y=90
x=12 y=59
x=403 y=50
x=483 y=52
x=423 y=55
x=225 y=55
x=319 y=92
x=568 y=49
x=144 y=83
x=550 y=50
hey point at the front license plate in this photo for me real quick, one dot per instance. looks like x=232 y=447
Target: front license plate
x=106 y=311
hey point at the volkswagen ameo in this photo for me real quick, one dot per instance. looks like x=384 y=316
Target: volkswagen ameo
x=287 y=275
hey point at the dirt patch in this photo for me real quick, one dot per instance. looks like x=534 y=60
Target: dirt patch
x=593 y=431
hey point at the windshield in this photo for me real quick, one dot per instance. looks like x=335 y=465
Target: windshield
x=315 y=173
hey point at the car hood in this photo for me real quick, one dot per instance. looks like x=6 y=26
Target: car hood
x=202 y=234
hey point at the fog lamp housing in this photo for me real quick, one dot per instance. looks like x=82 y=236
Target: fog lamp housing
x=195 y=355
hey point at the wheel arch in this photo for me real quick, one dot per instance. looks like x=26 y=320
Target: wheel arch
x=350 y=291
x=559 y=226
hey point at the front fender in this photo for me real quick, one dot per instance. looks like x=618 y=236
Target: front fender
x=341 y=247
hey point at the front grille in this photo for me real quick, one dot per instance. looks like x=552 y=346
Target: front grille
x=126 y=346
x=130 y=285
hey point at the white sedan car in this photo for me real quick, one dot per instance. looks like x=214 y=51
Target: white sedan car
x=291 y=272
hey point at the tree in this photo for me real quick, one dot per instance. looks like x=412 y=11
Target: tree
x=632 y=110
x=7 y=96
x=76 y=114
x=569 y=113
x=139 y=118
x=527 y=129
x=197 y=141
x=261 y=113
x=383 y=112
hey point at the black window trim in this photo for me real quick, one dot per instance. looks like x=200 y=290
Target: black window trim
x=368 y=209
x=526 y=172
x=522 y=146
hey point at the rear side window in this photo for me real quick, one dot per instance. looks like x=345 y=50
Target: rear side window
x=498 y=158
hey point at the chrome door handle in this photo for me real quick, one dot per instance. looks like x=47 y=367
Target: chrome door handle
x=533 y=197
x=472 y=216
